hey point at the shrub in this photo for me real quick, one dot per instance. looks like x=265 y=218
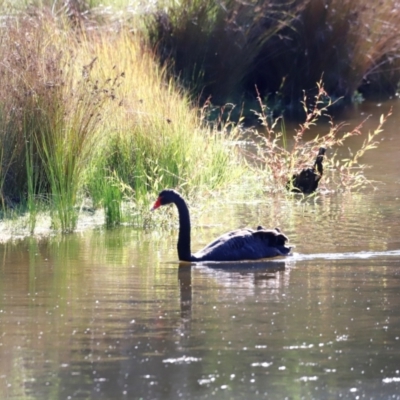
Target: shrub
x=280 y=160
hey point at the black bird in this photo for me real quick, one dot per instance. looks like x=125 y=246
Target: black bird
x=237 y=245
x=307 y=180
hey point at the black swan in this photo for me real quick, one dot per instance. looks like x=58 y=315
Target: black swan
x=238 y=245
x=307 y=180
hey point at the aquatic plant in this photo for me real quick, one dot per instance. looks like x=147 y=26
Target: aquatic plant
x=279 y=157
x=90 y=113
x=112 y=202
x=52 y=108
x=225 y=49
x=29 y=75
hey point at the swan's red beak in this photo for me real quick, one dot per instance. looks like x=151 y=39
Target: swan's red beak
x=156 y=204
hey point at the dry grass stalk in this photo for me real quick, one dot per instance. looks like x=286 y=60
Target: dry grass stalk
x=279 y=161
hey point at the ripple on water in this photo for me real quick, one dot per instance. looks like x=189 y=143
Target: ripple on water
x=182 y=360
x=345 y=256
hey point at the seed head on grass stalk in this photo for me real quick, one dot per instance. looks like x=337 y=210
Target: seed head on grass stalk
x=31 y=80
x=157 y=138
x=277 y=161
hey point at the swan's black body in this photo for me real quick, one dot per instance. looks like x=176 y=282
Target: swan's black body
x=307 y=180
x=241 y=244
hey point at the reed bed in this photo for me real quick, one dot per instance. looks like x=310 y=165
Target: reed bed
x=354 y=45
x=89 y=114
x=213 y=45
x=224 y=51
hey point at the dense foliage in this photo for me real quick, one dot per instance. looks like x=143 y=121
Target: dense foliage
x=93 y=113
x=225 y=49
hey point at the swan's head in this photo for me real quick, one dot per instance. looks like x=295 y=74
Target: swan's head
x=167 y=196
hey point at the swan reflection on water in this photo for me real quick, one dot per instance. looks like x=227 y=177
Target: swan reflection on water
x=276 y=264
x=242 y=277
x=249 y=275
x=246 y=278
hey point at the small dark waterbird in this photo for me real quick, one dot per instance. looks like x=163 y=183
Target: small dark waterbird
x=306 y=181
x=237 y=245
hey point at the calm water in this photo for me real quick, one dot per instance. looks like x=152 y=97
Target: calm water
x=110 y=315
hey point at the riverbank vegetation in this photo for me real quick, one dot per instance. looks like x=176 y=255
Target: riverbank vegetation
x=225 y=50
x=90 y=114
x=274 y=160
x=98 y=112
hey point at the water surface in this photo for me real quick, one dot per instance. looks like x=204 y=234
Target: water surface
x=112 y=314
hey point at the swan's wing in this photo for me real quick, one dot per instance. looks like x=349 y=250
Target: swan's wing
x=307 y=180
x=274 y=237
x=245 y=244
x=221 y=240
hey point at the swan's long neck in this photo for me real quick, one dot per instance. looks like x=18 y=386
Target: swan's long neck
x=184 y=252
x=318 y=161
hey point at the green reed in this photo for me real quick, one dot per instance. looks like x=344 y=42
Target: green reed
x=32 y=183
x=53 y=105
x=155 y=137
x=112 y=202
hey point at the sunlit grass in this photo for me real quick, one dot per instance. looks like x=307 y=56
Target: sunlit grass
x=91 y=113
x=155 y=138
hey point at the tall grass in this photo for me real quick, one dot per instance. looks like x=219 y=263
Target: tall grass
x=52 y=109
x=87 y=111
x=155 y=138
x=90 y=113
x=65 y=143
x=23 y=83
x=224 y=50
x=215 y=45
x=32 y=184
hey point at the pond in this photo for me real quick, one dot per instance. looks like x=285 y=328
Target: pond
x=112 y=315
